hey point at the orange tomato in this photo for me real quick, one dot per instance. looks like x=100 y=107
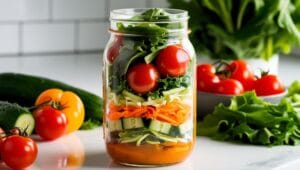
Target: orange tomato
x=72 y=106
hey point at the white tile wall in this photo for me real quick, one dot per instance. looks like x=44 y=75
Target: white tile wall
x=116 y=4
x=79 y=9
x=53 y=26
x=20 y=10
x=9 y=39
x=93 y=35
x=53 y=37
x=34 y=9
x=9 y=10
x=160 y=3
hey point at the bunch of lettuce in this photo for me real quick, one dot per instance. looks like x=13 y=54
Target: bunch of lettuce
x=232 y=29
x=249 y=119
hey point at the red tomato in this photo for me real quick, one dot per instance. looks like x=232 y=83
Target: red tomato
x=142 y=78
x=205 y=69
x=229 y=86
x=19 y=152
x=242 y=72
x=50 y=123
x=113 y=51
x=207 y=82
x=268 y=85
x=172 y=61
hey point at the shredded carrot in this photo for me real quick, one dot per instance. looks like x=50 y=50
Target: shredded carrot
x=174 y=112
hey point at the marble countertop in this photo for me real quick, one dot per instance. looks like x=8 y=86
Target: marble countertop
x=86 y=149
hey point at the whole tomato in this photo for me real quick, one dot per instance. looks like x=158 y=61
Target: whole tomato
x=205 y=69
x=143 y=78
x=18 y=152
x=229 y=86
x=70 y=103
x=50 y=123
x=241 y=71
x=172 y=61
x=268 y=85
x=206 y=77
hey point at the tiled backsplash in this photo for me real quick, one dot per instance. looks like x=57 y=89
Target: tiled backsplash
x=54 y=26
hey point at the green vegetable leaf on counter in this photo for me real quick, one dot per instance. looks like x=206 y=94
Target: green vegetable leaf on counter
x=249 y=119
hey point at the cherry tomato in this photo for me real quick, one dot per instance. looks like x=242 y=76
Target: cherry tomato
x=268 y=85
x=19 y=152
x=113 y=51
x=242 y=72
x=205 y=69
x=229 y=86
x=172 y=61
x=50 y=123
x=142 y=78
x=206 y=82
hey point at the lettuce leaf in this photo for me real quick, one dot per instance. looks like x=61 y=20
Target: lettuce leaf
x=249 y=119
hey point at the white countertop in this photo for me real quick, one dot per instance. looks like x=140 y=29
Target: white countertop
x=88 y=147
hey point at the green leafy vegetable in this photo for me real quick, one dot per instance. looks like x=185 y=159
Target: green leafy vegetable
x=170 y=83
x=149 y=37
x=232 y=29
x=89 y=124
x=250 y=119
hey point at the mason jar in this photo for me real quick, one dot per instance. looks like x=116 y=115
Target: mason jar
x=149 y=87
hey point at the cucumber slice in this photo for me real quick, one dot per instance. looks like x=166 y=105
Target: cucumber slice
x=132 y=96
x=13 y=115
x=160 y=126
x=132 y=123
x=25 y=122
x=114 y=125
x=185 y=127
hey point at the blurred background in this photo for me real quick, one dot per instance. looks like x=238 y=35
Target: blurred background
x=38 y=27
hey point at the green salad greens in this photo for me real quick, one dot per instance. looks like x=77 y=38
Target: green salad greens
x=150 y=37
x=232 y=29
x=250 y=119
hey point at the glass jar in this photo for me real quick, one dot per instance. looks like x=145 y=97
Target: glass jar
x=149 y=87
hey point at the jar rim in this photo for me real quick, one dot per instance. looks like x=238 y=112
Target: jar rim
x=126 y=14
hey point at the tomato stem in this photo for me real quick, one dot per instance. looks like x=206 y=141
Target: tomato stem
x=54 y=104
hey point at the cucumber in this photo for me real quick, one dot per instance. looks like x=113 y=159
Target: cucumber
x=24 y=89
x=185 y=127
x=13 y=115
x=132 y=96
x=132 y=123
x=114 y=125
x=160 y=126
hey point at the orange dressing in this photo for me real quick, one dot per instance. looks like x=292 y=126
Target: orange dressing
x=149 y=154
